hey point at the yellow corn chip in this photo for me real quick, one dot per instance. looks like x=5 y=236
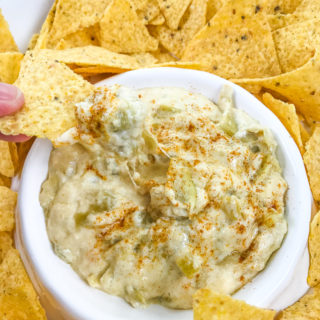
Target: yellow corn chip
x=14 y=155
x=162 y=56
x=72 y=16
x=10 y=66
x=212 y=7
x=312 y=161
x=146 y=10
x=175 y=41
x=305 y=136
x=300 y=87
x=307 y=308
x=6 y=163
x=208 y=305
x=18 y=299
x=296 y=43
x=5 y=181
x=287 y=114
x=278 y=6
x=51 y=90
x=84 y=37
x=314 y=249
x=173 y=10
x=121 y=30
x=33 y=41
x=8 y=200
x=5 y=244
x=236 y=43
x=158 y=20
x=42 y=41
x=7 y=42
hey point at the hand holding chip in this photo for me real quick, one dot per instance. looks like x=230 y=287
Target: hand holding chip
x=11 y=100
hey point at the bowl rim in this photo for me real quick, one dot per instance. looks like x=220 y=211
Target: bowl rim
x=147 y=77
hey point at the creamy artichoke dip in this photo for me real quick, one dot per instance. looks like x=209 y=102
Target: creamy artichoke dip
x=158 y=192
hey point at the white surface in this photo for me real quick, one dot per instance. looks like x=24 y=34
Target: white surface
x=59 y=282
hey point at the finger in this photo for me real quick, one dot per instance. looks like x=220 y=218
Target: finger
x=11 y=99
x=18 y=138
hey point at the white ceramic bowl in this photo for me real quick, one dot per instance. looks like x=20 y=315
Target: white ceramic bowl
x=68 y=297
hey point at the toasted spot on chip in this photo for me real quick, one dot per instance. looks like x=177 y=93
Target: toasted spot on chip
x=18 y=299
x=300 y=86
x=71 y=16
x=307 y=308
x=314 y=251
x=312 y=161
x=194 y=19
x=235 y=47
x=208 y=305
x=51 y=90
x=6 y=163
x=8 y=199
x=23 y=149
x=122 y=31
x=7 y=42
x=173 y=10
x=10 y=66
x=5 y=181
x=296 y=43
x=287 y=114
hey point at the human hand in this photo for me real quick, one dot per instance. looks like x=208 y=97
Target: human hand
x=11 y=100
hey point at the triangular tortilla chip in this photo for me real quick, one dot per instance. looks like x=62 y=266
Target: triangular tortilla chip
x=312 y=161
x=72 y=16
x=296 y=43
x=122 y=31
x=51 y=90
x=236 y=43
x=301 y=87
x=18 y=299
x=287 y=114
x=8 y=200
x=175 y=41
x=84 y=37
x=173 y=10
x=314 y=251
x=7 y=42
x=307 y=308
x=146 y=10
x=92 y=56
x=6 y=163
x=10 y=66
x=208 y=305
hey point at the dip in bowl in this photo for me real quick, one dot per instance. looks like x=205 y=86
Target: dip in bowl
x=168 y=193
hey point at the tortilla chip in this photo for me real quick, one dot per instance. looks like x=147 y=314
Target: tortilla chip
x=278 y=6
x=72 y=16
x=286 y=112
x=236 y=43
x=42 y=41
x=314 y=251
x=122 y=31
x=6 y=163
x=212 y=7
x=208 y=305
x=158 y=20
x=51 y=90
x=162 y=55
x=305 y=136
x=8 y=199
x=307 y=308
x=5 y=181
x=5 y=244
x=194 y=20
x=18 y=299
x=301 y=87
x=99 y=58
x=84 y=37
x=296 y=43
x=173 y=10
x=33 y=41
x=7 y=42
x=146 y=10
x=10 y=66
x=23 y=149
x=312 y=161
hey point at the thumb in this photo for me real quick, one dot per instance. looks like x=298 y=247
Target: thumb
x=11 y=99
